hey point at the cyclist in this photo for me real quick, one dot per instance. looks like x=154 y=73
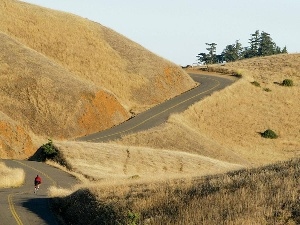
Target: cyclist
x=37 y=182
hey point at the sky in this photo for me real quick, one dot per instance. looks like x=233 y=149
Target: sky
x=177 y=30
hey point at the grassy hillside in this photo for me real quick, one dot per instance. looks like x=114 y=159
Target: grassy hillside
x=158 y=176
x=218 y=134
x=266 y=195
x=63 y=76
x=232 y=119
x=91 y=51
x=42 y=97
x=100 y=161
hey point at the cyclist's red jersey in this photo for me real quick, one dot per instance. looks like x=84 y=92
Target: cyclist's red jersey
x=37 y=180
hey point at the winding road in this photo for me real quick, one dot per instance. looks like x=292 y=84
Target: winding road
x=21 y=206
x=160 y=113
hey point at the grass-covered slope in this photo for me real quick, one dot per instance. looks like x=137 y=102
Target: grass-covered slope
x=63 y=76
x=96 y=53
x=41 y=96
x=266 y=195
x=230 y=122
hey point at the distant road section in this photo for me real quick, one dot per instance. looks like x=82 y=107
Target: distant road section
x=161 y=112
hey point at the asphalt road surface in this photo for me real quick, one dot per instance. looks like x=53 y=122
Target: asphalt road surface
x=20 y=206
x=161 y=112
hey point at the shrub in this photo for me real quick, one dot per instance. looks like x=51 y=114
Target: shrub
x=255 y=83
x=287 y=82
x=132 y=218
x=237 y=74
x=49 y=151
x=267 y=89
x=269 y=134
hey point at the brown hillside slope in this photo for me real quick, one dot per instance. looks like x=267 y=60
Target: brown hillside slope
x=232 y=119
x=137 y=77
x=64 y=76
x=112 y=162
x=41 y=96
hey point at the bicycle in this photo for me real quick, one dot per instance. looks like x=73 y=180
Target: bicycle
x=36 y=188
x=37 y=182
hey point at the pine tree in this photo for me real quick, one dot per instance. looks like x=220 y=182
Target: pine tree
x=233 y=52
x=254 y=42
x=266 y=45
x=284 y=50
x=202 y=58
x=211 y=56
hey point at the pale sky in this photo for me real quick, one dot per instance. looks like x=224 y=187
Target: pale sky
x=178 y=29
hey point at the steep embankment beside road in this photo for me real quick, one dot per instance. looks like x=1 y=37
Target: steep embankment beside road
x=63 y=76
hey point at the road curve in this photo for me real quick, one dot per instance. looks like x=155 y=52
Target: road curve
x=21 y=206
x=161 y=112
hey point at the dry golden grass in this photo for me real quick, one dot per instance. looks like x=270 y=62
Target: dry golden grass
x=63 y=76
x=267 y=195
x=218 y=134
x=13 y=138
x=57 y=69
x=96 y=53
x=100 y=161
x=230 y=120
x=11 y=177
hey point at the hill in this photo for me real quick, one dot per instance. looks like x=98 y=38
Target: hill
x=159 y=175
x=266 y=195
x=218 y=134
x=229 y=122
x=63 y=76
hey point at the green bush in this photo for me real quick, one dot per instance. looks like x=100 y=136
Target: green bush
x=269 y=134
x=255 y=83
x=267 y=89
x=49 y=151
x=287 y=82
x=132 y=218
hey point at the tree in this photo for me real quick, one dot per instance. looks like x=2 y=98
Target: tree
x=220 y=58
x=284 y=50
x=266 y=45
x=233 y=52
x=202 y=58
x=211 y=56
x=261 y=44
x=254 y=42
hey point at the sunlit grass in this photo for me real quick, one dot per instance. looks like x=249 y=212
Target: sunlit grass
x=267 y=195
x=63 y=76
x=227 y=125
x=11 y=177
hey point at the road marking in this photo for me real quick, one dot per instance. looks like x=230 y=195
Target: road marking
x=10 y=196
x=50 y=178
x=12 y=209
x=139 y=124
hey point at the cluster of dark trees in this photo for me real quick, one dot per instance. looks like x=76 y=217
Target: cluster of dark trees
x=261 y=44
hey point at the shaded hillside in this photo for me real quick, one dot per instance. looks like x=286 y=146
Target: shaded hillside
x=63 y=76
x=229 y=122
x=41 y=96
